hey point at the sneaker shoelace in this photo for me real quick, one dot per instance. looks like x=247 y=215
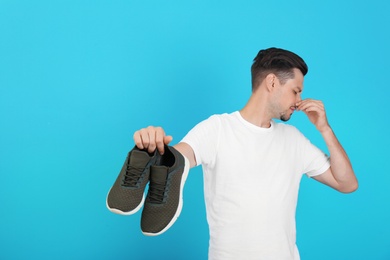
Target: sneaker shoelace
x=132 y=176
x=157 y=192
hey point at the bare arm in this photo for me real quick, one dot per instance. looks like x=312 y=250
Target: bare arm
x=186 y=150
x=340 y=175
x=152 y=138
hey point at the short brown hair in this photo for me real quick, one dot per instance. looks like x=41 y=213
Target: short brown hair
x=278 y=61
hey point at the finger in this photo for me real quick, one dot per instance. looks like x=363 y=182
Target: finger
x=303 y=101
x=145 y=140
x=168 y=139
x=309 y=106
x=309 y=101
x=306 y=105
x=314 y=110
x=159 y=139
x=138 y=140
x=151 y=136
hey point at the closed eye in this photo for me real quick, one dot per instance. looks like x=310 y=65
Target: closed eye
x=297 y=91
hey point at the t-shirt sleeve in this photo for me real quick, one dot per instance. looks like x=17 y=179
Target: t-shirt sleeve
x=203 y=139
x=315 y=161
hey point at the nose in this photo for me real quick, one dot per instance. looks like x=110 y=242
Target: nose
x=299 y=98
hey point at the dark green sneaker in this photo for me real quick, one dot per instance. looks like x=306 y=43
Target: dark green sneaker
x=164 y=201
x=127 y=195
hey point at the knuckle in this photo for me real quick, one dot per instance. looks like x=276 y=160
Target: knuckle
x=159 y=129
x=149 y=129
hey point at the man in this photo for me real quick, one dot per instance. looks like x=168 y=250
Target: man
x=253 y=165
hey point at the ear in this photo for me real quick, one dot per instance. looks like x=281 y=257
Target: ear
x=270 y=81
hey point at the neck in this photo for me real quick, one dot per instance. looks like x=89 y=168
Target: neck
x=256 y=112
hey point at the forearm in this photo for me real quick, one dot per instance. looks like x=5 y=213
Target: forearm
x=341 y=167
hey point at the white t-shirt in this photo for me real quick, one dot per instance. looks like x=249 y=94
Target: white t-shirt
x=251 y=182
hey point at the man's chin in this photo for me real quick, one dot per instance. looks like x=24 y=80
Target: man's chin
x=285 y=118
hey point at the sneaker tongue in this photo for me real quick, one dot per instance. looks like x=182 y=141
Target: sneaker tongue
x=139 y=158
x=160 y=174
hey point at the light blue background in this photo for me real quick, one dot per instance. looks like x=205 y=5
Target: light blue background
x=77 y=78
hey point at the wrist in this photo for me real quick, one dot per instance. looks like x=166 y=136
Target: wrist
x=325 y=130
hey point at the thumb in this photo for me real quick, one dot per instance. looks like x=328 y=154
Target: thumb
x=167 y=139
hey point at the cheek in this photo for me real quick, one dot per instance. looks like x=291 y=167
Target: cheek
x=292 y=97
x=287 y=99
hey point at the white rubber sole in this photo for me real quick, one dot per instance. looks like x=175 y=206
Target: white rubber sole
x=180 y=206
x=120 y=212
